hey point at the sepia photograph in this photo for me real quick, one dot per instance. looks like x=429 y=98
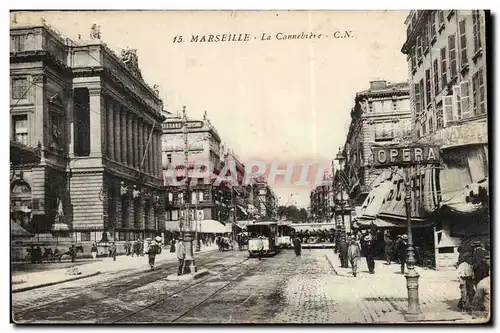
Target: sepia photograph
x=250 y=167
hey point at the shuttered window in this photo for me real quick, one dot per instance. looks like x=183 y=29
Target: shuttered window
x=435 y=70
x=444 y=68
x=476 y=23
x=463 y=43
x=453 y=55
x=457 y=110
x=478 y=93
x=447 y=110
x=418 y=107
x=464 y=99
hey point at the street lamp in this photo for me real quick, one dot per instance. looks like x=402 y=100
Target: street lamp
x=413 y=313
x=340 y=158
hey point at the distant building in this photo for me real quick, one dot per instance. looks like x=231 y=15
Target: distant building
x=446 y=54
x=85 y=140
x=211 y=205
x=321 y=207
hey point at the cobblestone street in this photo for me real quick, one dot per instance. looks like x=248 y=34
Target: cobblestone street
x=311 y=288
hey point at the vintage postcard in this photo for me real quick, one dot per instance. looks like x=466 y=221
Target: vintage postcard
x=265 y=167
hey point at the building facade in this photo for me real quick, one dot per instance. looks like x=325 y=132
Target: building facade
x=91 y=128
x=446 y=56
x=320 y=203
x=381 y=116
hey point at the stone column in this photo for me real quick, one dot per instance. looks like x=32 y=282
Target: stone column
x=159 y=152
x=152 y=150
x=136 y=143
x=146 y=147
x=153 y=153
x=123 y=123
x=95 y=121
x=117 y=132
x=129 y=140
x=110 y=132
x=141 y=142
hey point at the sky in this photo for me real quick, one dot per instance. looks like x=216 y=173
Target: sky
x=285 y=101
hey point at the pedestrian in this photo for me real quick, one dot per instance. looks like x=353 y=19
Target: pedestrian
x=72 y=252
x=343 y=246
x=38 y=251
x=481 y=269
x=181 y=255
x=297 y=246
x=153 y=250
x=141 y=247
x=353 y=254
x=93 y=250
x=482 y=299
x=127 y=247
x=402 y=248
x=388 y=248
x=260 y=247
x=466 y=278
x=370 y=253
x=113 y=251
x=172 y=246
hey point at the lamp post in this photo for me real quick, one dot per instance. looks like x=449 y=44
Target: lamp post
x=187 y=238
x=340 y=158
x=413 y=313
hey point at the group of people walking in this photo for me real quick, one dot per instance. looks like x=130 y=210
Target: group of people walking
x=351 y=248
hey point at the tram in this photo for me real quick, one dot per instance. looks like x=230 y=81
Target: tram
x=285 y=235
x=268 y=233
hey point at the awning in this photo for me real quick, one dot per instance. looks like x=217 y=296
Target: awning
x=386 y=201
x=206 y=226
x=17 y=231
x=386 y=223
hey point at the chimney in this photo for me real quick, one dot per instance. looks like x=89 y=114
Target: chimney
x=378 y=84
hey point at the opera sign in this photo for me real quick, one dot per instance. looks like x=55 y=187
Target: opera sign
x=392 y=156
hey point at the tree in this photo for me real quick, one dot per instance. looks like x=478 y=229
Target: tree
x=292 y=213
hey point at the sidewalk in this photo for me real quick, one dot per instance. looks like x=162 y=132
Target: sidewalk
x=382 y=297
x=32 y=280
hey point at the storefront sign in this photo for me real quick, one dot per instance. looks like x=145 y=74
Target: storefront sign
x=409 y=155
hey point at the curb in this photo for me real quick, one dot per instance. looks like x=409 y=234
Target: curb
x=79 y=277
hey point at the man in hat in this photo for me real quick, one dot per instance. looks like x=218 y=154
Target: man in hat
x=181 y=254
x=343 y=246
x=388 y=246
x=370 y=253
x=297 y=246
x=153 y=250
x=402 y=246
x=353 y=254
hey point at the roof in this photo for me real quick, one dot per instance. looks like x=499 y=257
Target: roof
x=401 y=87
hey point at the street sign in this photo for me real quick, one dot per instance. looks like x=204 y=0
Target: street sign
x=405 y=155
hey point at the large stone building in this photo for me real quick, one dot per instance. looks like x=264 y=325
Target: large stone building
x=85 y=141
x=381 y=116
x=446 y=54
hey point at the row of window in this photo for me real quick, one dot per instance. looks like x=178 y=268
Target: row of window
x=429 y=35
x=457 y=106
x=176 y=215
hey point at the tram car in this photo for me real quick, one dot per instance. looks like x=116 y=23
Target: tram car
x=268 y=232
x=285 y=236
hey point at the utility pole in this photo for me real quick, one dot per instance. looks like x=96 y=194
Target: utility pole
x=187 y=238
